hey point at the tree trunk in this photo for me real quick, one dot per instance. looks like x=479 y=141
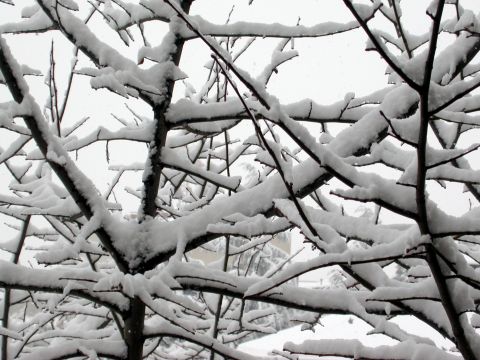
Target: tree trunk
x=133 y=331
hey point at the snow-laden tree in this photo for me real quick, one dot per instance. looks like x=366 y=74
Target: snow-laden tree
x=88 y=277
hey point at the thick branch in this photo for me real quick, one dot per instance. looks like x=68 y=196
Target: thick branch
x=67 y=172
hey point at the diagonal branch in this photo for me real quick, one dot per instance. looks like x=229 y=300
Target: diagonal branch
x=79 y=187
x=380 y=47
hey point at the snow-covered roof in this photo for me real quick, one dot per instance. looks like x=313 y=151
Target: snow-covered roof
x=335 y=327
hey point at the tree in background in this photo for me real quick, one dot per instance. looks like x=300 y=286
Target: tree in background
x=90 y=278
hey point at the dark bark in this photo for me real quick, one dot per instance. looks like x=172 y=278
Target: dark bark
x=135 y=320
x=446 y=295
x=152 y=180
x=133 y=330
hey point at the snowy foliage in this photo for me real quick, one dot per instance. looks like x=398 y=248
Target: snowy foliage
x=220 y=175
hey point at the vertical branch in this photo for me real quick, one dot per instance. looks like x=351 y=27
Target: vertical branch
x=218 y=311
x=209 y=160
x=154 y=167
x=433 y=261
x=133 y=330
x=424 y=121
x=53 y=91
x=7 y=295
x=135 y=319
x=226 y=254
x=458 y=12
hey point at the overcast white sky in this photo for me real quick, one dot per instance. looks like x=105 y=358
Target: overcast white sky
x=325 y=71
